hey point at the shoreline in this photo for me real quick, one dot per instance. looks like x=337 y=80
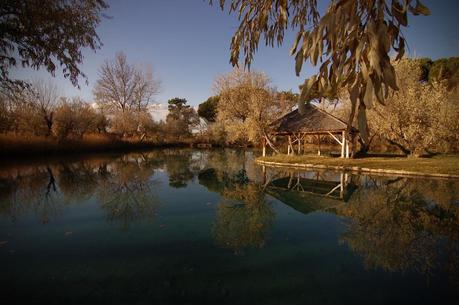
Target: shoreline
x=356 y=169
x=76 y=148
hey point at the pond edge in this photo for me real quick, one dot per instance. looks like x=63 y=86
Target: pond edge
x=356 y=169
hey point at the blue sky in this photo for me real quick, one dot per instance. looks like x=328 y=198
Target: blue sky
x=187 y=44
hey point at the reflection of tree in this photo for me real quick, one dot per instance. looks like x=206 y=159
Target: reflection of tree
x=227 y=161
x=123 y=186
x=35 y=190
x=78 y=181
x=126 y=194
x=243 y=218
x=47 y=202
x=403 y=225
x=179 y=173
x=178 y=164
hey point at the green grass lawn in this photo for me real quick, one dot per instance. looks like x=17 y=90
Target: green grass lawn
x=440 y=164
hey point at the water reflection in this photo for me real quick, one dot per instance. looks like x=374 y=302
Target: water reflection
x=244 y=216
x=179 y=168
x=127 y=193
x=32 y=189
x=402 y=224
x=394 y=224
x=123 y=187
x=307 y=192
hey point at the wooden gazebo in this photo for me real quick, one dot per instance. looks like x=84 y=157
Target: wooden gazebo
x=312 y=122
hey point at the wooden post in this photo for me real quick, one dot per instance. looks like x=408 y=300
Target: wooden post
x=347 y=148
x=341 y=191
x=318 y=152
x=299 y=144
x=343 y=143
x=264 y=147
x=288 y=146
x=264 y=175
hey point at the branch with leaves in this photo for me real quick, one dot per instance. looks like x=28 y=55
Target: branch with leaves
x=351 y=43
x=48 y=34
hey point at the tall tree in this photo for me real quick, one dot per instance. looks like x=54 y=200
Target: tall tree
x=181 y=117
x=124 y=87
x=47 y=33
x=351 y=42
x=247 y=105
x=208 y=109
x=177 y=108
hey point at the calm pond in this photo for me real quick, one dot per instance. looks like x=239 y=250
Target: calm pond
x=182 y=226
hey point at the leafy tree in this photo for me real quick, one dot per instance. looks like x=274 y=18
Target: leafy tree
x=208 y=109
x=420 y=117
x=48 y=33
x=444 y=69
x=124 y=87
x=177 y=108
x=217 y=134
x=247 y=105
x=351 y=42
x=181 y=118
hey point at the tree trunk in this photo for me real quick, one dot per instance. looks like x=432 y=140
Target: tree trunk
x=49 y=124
x=269 y=142
x=405 y=150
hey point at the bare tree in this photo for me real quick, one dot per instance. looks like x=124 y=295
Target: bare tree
x=33 y=107
x=46 y=97
x=76 y=117
x=124 y=87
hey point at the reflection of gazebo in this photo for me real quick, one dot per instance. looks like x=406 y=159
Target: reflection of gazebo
x=313 y=121
x=306 y=193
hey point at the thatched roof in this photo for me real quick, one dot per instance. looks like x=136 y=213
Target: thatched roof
x=313 y=120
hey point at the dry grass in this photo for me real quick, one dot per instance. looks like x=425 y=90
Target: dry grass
x=440 y=164
x=16 y=145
